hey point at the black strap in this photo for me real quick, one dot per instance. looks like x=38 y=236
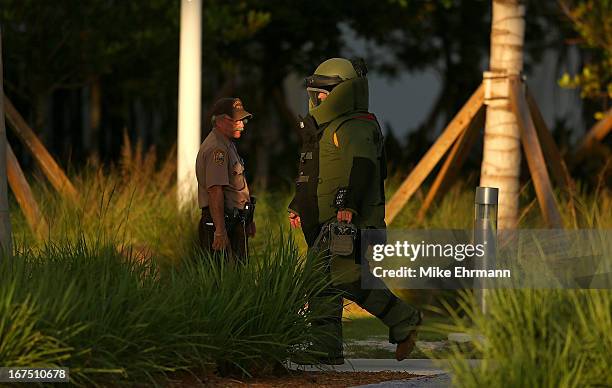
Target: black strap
x=387 y=308
x=328 y=320
x=364 y=297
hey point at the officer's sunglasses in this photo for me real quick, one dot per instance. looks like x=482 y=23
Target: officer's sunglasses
x=244 y=120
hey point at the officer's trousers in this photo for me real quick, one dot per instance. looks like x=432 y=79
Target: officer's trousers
x=400 y=317
x=237 y=235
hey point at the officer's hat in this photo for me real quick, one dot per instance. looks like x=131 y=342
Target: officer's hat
x=232 y=107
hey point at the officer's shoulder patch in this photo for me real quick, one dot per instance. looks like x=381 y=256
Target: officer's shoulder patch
x=219 y=156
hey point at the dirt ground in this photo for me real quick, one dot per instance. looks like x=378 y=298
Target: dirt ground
x=297 y=379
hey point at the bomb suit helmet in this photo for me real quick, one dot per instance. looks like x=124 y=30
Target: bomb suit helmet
x=343 y=82
x=327 y=76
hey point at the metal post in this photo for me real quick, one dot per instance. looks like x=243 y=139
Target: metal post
x=485 y=232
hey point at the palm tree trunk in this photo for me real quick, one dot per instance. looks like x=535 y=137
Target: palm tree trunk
x=502 y=148
x=6 y=242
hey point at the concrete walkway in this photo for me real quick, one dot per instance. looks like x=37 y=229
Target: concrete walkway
x=423 y=367
x=434 y=372
x=437 y=381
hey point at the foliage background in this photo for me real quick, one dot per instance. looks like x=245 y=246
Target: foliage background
x=83 y=73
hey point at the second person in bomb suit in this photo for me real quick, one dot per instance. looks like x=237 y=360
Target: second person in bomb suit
x=341 y=178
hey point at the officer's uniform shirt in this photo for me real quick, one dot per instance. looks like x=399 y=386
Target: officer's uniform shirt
x=218 y=163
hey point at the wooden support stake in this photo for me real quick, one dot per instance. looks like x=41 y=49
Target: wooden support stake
x=553 y=157
x=24 y=195
x=6 y=237
x=533 y=153
x=596 y=134
x=433 y=156
x=453 y=162
x=45 y=161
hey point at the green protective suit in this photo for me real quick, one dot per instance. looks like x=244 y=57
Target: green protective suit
x=343 y=149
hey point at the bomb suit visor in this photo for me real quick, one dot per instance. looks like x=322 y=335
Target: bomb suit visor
x=316 y=84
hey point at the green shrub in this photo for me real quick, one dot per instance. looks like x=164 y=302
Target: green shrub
x=536 y=338
x=114 y=319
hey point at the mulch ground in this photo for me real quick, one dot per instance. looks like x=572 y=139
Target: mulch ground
x=297 y=379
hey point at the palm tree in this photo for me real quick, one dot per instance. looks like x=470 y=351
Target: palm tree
x=502 y=146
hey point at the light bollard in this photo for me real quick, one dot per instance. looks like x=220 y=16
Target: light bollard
x=485 y=232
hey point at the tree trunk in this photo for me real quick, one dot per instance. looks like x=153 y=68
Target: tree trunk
x=42 y=107
x=266 y=135
x=141 y=122
x=95 y=116
x=156 y=127
x=502 y=148
x=6 y=242
x=85 y=114
x=91 y=114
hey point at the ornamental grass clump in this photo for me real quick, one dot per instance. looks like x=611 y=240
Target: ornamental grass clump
x=542 y=337
x=536 y=338
x=115 y=320
x=132 y=203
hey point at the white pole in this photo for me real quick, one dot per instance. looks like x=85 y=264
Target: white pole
x=189 y=105
x=6 y=241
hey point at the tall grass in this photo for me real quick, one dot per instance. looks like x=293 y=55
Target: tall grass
x=455 y=210
x=132 y=203
x=535 y=338
x=135 y=202
x=118 y=293
x=530 y=337
x=116 y=320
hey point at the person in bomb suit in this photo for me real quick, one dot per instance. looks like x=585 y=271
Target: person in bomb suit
x=341 y=178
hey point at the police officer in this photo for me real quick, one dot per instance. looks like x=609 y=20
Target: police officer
x=223 y=194
x=341 y=178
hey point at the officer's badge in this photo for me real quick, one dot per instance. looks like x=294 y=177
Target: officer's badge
x=219 y=157
x=237 y=104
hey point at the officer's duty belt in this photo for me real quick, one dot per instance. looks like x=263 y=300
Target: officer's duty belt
x=233 y=216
